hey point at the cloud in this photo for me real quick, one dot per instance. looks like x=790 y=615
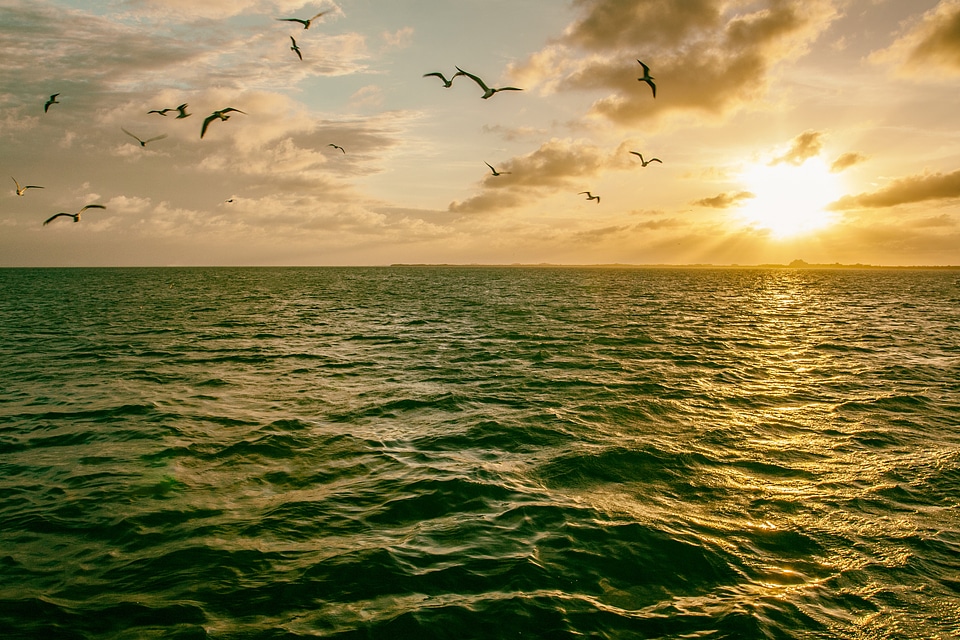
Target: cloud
x=555 y=164
x=804 y=146
x=929 y=46
x=847 y=160
x=931 y=186
x=399 y=39
x=710 y=56
x=725 y=200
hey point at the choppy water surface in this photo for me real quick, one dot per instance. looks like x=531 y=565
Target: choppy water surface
x=479 y=453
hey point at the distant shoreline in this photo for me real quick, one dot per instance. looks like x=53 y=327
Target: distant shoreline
x=518 y=265
x=617 y=265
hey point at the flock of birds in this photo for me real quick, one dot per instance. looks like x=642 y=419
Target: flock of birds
x=222 y=115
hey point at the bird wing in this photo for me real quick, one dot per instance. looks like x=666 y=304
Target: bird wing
x=15 y=182
x=303 y=22
x=646 y=69
x=318 y=15
x=132 y=136
x=653 y=86
x=90 y=206
x=160 y=137
x=655 y=160
x=206 y=123
x=436 y=73
x=33 y=186
x=228 y=109
x=491 y=166
x=162 y=112
x=509 y=89
x=637 y=154
x=475 y=79
x=55 y=216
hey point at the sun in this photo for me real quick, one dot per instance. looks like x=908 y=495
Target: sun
x=790 y=200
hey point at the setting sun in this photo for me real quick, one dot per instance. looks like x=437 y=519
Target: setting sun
x=790 y=200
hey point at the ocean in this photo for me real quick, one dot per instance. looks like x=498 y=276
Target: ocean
x=479 y=452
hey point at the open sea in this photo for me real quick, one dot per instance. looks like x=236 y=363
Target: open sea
x=479 y=452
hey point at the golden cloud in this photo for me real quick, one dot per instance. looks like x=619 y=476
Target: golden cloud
x=930 y=46
x=931 y=186
x=724 y=200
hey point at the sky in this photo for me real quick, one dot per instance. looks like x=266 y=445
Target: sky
x=820 y=130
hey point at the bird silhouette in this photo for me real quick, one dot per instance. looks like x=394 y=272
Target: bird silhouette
x=446 y=83
x=22 y=190
x=221 y=114
x=336 y=146
x=52 y=100
x=487 y=91
x=162 y=112
x=295 y=48
x=75 y=216
x=648 y=78
x=646 y=162
x=590 y=196
x=494 y=171
x=305 y=23
x=183 y=111
x=143 y=143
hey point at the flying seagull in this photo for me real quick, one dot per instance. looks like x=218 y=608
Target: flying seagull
x=52 y=100
x=646 y=162
x=305 y=23
x=182 y=109
x=143 y=143
x=336 y=146
x=446 y=83
x=487 y=91
x=590 y=196
x=75 y=216
x=494 y=171
x=22 y=190
x=295 y=48
x=222 y=114
x=648 y=78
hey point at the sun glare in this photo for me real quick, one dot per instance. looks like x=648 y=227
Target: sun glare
x=790 y=200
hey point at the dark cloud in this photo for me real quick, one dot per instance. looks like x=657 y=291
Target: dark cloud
x=933 y=186
x=804 y=146
x=705 y=55
x=724 y=200
x=556 y=163
x=929 y=45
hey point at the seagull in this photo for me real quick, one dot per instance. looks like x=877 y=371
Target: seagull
x=648 y=78
x=487 y=91
x=52 y=100
x=336 y=146
x=75 y=216
x=446 y=83
x=217 y=114
x=143 y=143
x=183 y=111
x=495 y=172
x=295 y=48
x=22 y=190
x=646 y=162
x=305 y=23
x=590 y=196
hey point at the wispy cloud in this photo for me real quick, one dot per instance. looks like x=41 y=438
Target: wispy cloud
x=725 y=200
x=847 y=160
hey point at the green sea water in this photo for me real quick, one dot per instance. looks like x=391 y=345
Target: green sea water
x=425 y=452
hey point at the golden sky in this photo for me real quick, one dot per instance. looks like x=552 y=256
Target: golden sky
x=825 y=130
